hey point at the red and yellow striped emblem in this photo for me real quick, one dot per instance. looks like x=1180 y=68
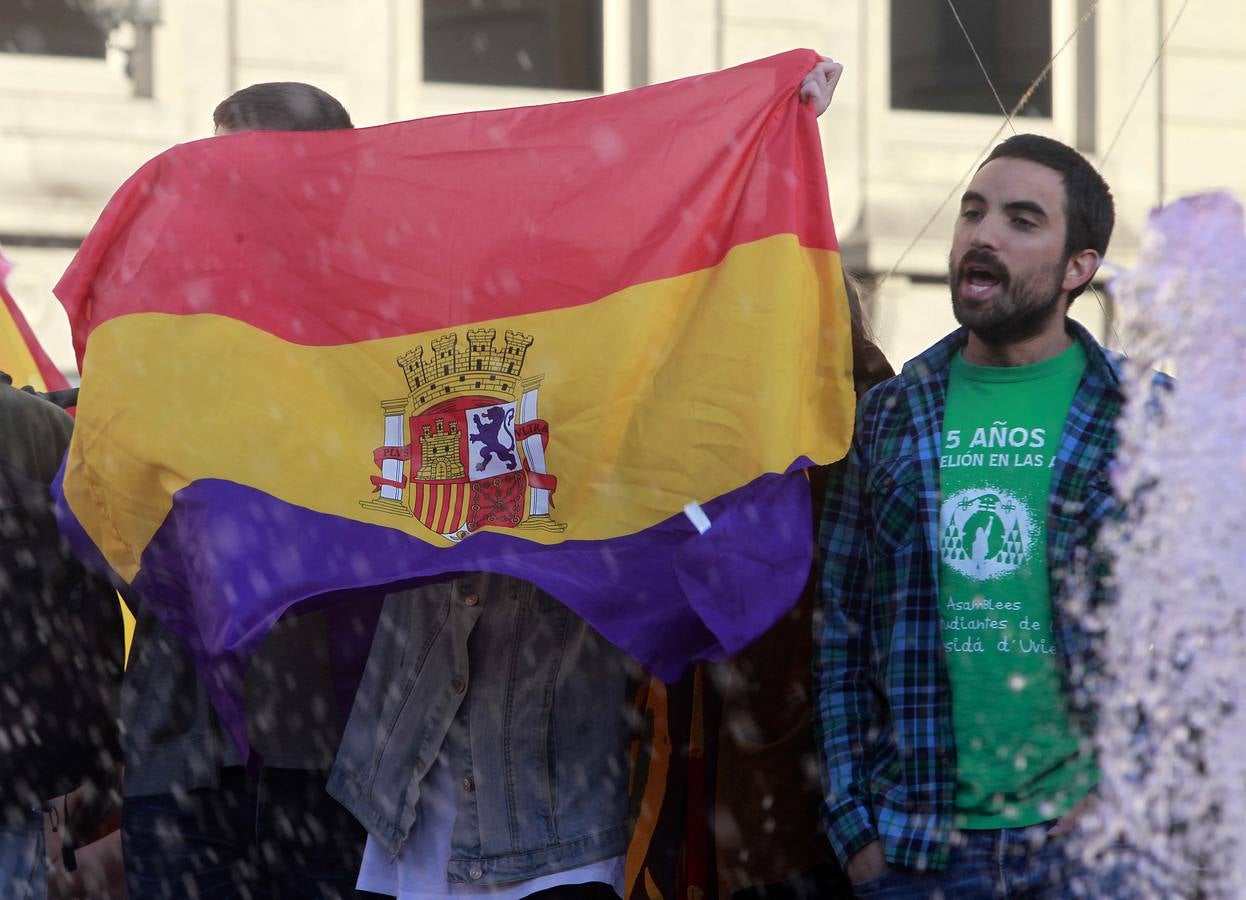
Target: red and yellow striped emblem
x=440 y=506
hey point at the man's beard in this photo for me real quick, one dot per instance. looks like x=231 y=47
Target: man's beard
x=1020 y=310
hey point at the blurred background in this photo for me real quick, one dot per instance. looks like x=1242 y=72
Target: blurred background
x=1153 y=91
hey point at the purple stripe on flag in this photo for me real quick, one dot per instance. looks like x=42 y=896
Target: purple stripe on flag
x=229 y=560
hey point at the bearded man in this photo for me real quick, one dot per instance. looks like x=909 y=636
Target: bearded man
x=955 y=755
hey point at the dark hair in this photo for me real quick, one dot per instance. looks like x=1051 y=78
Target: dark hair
x=1088 y=207
x=855 y=285
x=869 y=364
x=281 y=106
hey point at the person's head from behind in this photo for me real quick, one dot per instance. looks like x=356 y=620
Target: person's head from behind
x=280 y=106
x=1033 y=227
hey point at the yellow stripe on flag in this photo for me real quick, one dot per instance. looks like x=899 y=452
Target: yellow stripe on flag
x=688 y=389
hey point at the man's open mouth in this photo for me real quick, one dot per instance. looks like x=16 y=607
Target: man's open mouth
x=979 y=278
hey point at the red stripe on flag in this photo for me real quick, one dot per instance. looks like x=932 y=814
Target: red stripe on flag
x=329 y=238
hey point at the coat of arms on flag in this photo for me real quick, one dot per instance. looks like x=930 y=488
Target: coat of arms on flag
x=465 y=449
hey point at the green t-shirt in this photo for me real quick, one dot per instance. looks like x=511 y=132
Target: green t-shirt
x=1020 y=761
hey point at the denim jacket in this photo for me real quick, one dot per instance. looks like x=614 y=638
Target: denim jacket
x=531 y=705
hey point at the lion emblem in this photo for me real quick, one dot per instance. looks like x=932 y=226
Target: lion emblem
x=490 y=429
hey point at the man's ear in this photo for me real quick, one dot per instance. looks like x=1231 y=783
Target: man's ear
x=1080 y=268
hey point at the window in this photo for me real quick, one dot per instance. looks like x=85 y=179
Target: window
x=524 y=43
x=933 y=68
x=52 y=28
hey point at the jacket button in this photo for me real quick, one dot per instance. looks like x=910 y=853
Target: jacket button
x=468 y=786
x=472 y=600
x=475 y=872
x=458 y=684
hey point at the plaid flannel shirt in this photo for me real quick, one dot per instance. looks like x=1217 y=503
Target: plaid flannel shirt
x=883 y=707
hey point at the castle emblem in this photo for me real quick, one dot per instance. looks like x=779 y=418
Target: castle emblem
x=465 y=449
x=987 y=533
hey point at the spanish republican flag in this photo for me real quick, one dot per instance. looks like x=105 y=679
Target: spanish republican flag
x=588 y=344
x=21 y=354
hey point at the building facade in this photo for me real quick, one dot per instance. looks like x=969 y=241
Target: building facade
x=90 y=89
